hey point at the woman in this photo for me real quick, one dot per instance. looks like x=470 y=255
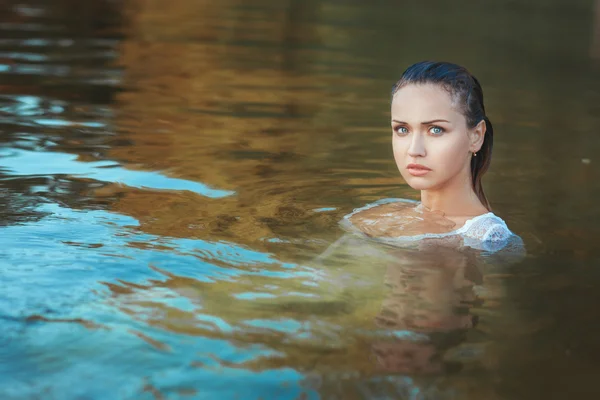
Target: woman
x=442 y=142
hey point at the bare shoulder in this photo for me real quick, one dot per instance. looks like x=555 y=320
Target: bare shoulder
x=381 y=220
x=398 y=218
x=376 y=214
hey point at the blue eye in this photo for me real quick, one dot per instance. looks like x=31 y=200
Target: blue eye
x=436 y=130
x=401 y=130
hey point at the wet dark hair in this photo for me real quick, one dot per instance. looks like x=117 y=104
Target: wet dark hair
x=466 y=91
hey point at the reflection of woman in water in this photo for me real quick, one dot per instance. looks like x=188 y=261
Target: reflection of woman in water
x=421 y=333
x=428 y=308
x=442 y=142
x=436 y=252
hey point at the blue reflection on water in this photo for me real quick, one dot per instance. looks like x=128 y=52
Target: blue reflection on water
x=62 y=122
x=50 y=268
x=25 y=106
x=27 y=163
x=31 y=57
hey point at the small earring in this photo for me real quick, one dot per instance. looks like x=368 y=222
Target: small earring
x=474 y=154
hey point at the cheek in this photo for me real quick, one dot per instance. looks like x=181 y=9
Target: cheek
x=399 y=147
x=449 y=154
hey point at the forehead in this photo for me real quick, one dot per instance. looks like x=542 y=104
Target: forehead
x=423 y=101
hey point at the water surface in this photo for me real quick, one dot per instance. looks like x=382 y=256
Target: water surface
x=172 y=177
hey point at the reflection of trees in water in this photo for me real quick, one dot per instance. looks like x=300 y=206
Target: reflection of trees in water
x=56 y=94
x=222 y=96
x=17 y=208
x=21 y=196
x=51 y=48
x=282 y=103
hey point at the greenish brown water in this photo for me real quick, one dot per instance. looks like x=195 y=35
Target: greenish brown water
x=171 y=175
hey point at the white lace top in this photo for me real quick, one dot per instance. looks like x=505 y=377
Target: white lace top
x=485 y=232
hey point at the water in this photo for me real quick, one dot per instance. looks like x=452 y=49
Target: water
x=171 y=177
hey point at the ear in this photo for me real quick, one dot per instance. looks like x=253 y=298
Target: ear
x=476 y=136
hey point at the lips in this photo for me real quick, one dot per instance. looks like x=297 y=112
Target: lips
x=417 y=169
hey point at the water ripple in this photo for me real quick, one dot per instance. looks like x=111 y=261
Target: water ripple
x=29 y=163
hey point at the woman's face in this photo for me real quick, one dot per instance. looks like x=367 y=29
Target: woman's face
x=432 y=143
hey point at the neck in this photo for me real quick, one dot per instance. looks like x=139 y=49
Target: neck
x=455 y=198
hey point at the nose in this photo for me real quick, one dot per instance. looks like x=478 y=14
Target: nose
x=417 y=146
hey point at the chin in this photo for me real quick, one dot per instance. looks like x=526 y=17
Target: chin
x=418 y=183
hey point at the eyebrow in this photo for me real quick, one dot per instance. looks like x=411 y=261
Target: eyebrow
x=422 y=123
